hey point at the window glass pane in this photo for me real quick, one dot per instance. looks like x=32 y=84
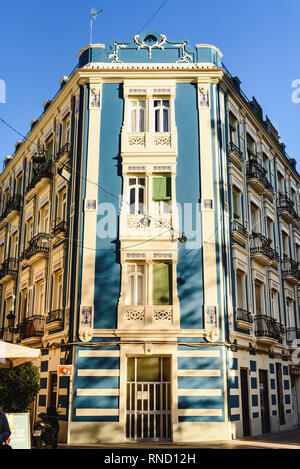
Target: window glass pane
x=130 y=267
x=166 y=103
x=133 y=120
x=132 y=300
x=162 y=283
x=140 y=268
x=132 y=200
x=157 y=126
x=132 y=181
x=166 y=369
x=141 y=181
x=148 y=369
x=141 y=200
x=140 y=288
x=130 y=369
x=142 y=121
x=156 y=103
x=166 y=120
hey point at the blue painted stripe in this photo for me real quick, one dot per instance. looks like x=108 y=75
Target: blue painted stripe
x=254 y=400
x=100 y=418
x=97 y=402
x=234 y=401
x=98 y=363
x=95 y=382
x=200 y=419
x=252 y=365
x=235 y=418
x=200 y=402
x=253 y=383
x=199 y=363
x=200 y=382
x=286 y=384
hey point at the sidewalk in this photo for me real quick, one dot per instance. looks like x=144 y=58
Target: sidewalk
x=282 y=440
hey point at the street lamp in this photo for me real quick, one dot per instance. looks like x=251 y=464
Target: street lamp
x=11 y=321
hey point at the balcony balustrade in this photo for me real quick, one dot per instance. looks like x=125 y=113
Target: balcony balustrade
x=290 y=271
x=244 y=319
x=64 y=150
x=13 y=205
x=6 y=334
x=39 y=244
x=9 y=268
x=41 y=171
x=31 y=328
x=235 y=154
x=257 y=177
x=261 y=250
x=59 y=227
x=293 y=337
x=238 y=231
x=268 y=330
x=287 y=211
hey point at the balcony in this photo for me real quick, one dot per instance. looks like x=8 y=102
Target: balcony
x=239 y=232
x=39 y=246
x=54 y=319
x=42 y=172
x=31 y=329
x=13 y=205
x=59 y=227
x=293 y=337
x=147 y=317
x=286 y=210
x=256 y=177
x=267 y=330
x=65 y=151
x=235 y=155
x=6 y=334
x=9 y=269
x=261 y=250
x=290 y=271
x=244 y=319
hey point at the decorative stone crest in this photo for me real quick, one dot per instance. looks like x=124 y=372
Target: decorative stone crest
x=185 y=57
x=85 y=334
x=150 y=42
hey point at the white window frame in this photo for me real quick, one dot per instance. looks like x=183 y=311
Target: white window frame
x=160 y=109
x=133 y=277
x=139 y=106
x=136 y=187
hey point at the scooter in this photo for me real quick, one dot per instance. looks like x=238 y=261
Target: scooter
x=45 y=430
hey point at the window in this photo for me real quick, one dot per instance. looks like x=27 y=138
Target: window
x=285 y=245
x=255 y=221
x=15 y=246
x=162 y=283
x=236 y=204
x=280 y=183
x=270 y=230
x=240 y=290
x=67 y=134
x=274 y=305
x=62 y=205
x=161 y=115
x=19 y=181
x=28 y=231
x=40 y=299
x=162 y=194
x=137 y=112
x=233 y=129
x=290 y=313
x=57 y=290
x=136 y=195
x=135 y=284
x=258 y=301
x=250 y=147
x=44 y=223
x=24 y=304
x=1 y=253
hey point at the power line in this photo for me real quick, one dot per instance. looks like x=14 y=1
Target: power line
x=154 y=14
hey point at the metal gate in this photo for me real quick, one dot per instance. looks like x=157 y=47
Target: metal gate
x=148 y=413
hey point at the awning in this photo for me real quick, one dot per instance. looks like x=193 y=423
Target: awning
x=14 y=355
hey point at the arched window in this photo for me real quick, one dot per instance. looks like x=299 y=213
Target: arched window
x=161 y=115
x=136 y=195
x=135 y=284
x=137 y=109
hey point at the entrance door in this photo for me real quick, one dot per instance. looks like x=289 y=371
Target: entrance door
x=264 y=401
x=148 y=412
x=245 y=402
x=52 y=390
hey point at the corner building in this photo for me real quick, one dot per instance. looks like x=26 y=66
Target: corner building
x=149 y=236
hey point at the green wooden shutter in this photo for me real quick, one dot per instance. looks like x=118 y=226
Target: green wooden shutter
x=161 y=188
x=162 y=283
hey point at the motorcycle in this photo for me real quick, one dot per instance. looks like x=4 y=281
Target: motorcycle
x=45 y=430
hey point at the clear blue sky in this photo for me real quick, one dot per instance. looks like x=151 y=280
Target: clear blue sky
x=259 y=39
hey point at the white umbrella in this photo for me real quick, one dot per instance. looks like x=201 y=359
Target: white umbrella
x=14 y=355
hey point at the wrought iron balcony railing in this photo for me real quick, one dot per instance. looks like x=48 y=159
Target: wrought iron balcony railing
x=286 y=207
x=6 y=334
x=65 y=149
x=243 y=315
x=53 y=316
x=239 y=228
x=290 y=268
x=259 y=244
x=266 y=326
x=13 y=203
x=9 y=267
x=32 y=326
x=42 y=170
x=59 y=226
x=38 y=244
x=293 y=336
x=235 y=153
x=256 y=171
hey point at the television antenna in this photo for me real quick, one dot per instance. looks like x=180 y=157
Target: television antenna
x=93 y=15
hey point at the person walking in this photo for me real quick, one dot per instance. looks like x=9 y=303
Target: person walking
x=4 y=432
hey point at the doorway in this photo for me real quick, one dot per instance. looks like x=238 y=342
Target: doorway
x=245 y=401
x=148 y=400
x=264 y=401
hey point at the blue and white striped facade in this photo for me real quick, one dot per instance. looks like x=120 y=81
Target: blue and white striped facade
x=224 y=341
